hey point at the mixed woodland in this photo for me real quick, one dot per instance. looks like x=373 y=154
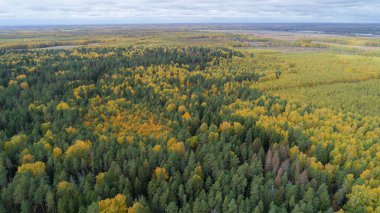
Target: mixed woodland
x=186 y=126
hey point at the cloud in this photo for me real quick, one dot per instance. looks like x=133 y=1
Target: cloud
x=153 y=11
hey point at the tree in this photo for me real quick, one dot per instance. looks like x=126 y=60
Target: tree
x=113 y=205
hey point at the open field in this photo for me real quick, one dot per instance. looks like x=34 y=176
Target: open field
x=312 y=77
x=347 y=45
x=302 y=41
x=361 y=97
x=280 y=35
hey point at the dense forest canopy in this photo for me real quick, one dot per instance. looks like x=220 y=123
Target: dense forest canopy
x=177 y=128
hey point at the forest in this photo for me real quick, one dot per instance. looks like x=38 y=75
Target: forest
x=187 y=121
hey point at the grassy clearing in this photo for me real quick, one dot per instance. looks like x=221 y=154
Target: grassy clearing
x=337 y=81
x=362 y=97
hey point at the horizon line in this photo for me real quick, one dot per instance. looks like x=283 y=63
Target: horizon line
x=175 y=23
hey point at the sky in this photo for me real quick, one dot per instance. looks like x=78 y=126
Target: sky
x=35 y=12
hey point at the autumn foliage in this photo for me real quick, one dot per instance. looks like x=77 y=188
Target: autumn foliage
x=180 y=128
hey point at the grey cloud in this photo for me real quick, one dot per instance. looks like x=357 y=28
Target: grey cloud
x=167 y=10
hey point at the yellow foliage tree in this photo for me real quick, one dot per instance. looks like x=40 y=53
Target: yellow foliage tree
x=27 y=158
x=193 y=142
x=71 y=130
x=161 y=173
x=178 y=147
x=57 y=152
x=156 y=148
x=64 y=185
x=186 y=116
x=36 y=168
x=120 y=139
x=24 y=85
x=15 y=141
x=20 y=77
x=182 y=109
x=136 y=208
x=79 y=147
x=12 y=82
x=118 y=204
x=225 y=126
x=62 y=106
x=171 y=107
x=238 y=128
x=100 y=177
x=129 y=139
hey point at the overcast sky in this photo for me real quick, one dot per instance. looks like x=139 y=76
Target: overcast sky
x=16 y=12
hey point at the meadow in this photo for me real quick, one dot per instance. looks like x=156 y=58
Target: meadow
x=338 y=81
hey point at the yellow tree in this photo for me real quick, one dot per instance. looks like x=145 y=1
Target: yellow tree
x=118 y=204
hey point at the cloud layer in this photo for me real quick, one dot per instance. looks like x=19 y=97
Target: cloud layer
x=164 y=11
